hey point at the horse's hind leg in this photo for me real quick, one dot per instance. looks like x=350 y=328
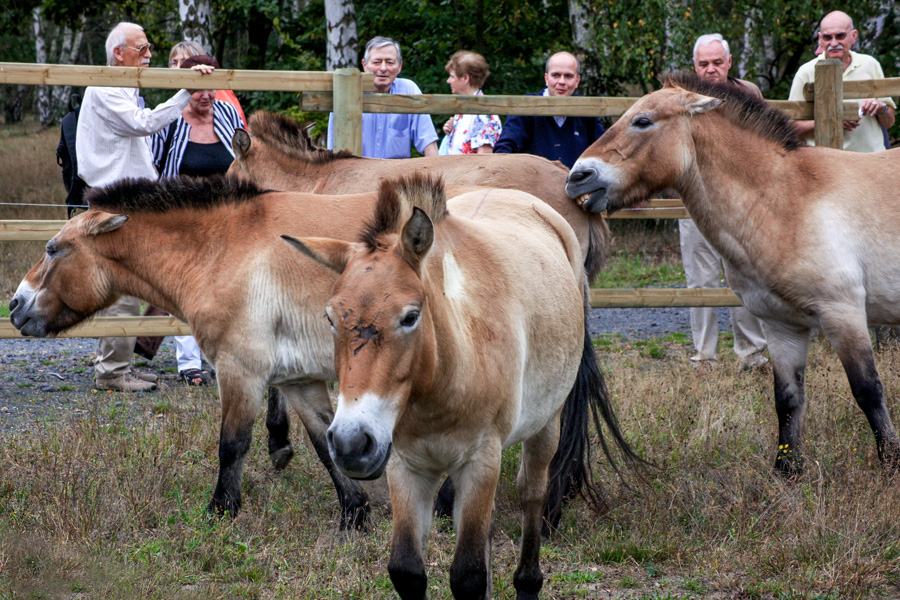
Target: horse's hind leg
x=278 y=422
x=532 y=482
x=850 y=339
x=312 y=403
x=788 y=348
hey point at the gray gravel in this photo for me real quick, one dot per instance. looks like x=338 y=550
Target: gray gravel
x=43 y=379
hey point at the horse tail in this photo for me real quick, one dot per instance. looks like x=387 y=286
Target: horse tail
x=570 y=469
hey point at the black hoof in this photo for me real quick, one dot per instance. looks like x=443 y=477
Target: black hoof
x=223 y=507
x=356 y=519
x=281 y=457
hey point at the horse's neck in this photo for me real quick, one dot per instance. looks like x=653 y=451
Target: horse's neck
x=732 y=191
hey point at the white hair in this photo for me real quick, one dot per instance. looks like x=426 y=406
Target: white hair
x=117 y=38
x=379 y=41
x=709 y=38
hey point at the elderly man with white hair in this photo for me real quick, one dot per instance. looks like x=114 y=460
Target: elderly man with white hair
x=702 y=264
x=112 y=143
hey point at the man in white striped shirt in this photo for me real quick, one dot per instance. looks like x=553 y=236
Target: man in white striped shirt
x=113 y=143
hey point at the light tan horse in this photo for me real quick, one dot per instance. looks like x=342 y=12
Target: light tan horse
x=812 y=235
x=281 y=156
x=456 y=336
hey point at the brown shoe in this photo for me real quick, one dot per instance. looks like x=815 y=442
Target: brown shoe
x=151 y=377
x=125 y=383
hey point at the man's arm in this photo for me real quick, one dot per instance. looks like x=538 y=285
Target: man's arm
x=887 y=118
x=431 y=149
x=125 y=118
x=515 y=136
x=804 y=129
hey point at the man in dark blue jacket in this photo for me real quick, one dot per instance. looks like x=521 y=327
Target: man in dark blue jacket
x=555 y=138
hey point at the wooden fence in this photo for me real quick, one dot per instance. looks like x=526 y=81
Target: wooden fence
x=345 y=93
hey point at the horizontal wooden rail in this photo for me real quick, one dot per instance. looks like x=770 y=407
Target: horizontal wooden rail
x=662 y=297
x=869 y=88
x=447 y=104
x=113 y=327
x=221 y=79
x=600 y=298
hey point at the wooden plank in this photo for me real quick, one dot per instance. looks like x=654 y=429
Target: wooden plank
x=868 y=88
x=113 y=327
x=25 y=231
x=799 y=110
x=348 y=111
x=828 y=104
x=651 y=213
x=80 y=75
x=662 y=297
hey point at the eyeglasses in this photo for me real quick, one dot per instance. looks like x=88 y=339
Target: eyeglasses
x=840 y=37
x=142 y=49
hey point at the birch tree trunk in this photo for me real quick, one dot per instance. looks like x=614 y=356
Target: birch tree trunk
x=70 y=47
x=40 y=56
x=874 y=26
x=341 y=35
x=196 y=23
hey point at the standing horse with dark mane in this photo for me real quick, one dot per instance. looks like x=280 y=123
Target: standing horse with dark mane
x=459 y=331
x=812 y=234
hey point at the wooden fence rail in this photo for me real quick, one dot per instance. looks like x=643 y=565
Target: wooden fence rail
x=345 y=93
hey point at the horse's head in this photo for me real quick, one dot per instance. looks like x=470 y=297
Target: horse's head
x=384 y=336
x=647 y=150
x=68 y=283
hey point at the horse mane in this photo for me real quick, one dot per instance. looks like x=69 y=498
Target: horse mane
x=285 y=135
x=742 y=108
x=396 y=199
x=149 y=196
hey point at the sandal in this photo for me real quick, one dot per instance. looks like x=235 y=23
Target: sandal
x=193 y=377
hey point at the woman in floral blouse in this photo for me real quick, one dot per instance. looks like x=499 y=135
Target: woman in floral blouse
x=469 y=134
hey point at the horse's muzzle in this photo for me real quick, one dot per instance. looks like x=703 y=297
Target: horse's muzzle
x=585 y=179
x=358 y=454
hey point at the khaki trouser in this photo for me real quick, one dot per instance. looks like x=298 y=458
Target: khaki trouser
x=702 y=266
x=114 y=353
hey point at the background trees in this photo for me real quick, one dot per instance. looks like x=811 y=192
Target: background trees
x=624 y=44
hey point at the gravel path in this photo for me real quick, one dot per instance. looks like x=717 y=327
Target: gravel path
x=45 y=379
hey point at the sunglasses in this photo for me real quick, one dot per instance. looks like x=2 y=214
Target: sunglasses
x=840 y=37
x=142 y=49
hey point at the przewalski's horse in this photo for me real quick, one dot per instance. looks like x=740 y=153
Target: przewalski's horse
x=812 y=234
x=208 y=251
x=281 y=156
x=458 y=333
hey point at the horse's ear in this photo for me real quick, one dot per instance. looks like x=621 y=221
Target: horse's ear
x=333 y=254
x=105 y=224
x=307 y=129
x=240 y=143
x=697 y=104
x=416 y=238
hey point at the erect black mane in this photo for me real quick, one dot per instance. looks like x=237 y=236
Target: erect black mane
x=741 y=107
x=289 y=137
x=396 y=199
x=147 y=196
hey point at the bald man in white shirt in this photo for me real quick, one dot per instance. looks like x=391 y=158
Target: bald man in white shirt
x=112 y=143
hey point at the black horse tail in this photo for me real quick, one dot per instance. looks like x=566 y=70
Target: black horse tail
x=570 y=469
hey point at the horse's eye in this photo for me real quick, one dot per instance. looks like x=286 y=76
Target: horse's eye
x=52 y=248
x=410 y=319
x=641 y=122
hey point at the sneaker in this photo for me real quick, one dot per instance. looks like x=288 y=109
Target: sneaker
x=703 y=364
x=124 y=383
x=151 y=377
x=754 y=361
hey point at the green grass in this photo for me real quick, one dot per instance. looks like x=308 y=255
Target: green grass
x=635 y=272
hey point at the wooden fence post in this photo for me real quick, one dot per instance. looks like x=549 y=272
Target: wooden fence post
x=348 y=110
x=829 y=103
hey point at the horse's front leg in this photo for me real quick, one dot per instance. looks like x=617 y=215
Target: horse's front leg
x=241 y=399
x=278 y=422
x=788 y=349
x=476 y=483
x=313 y=405
x=850 y=338
x=411 y=494
x=532 y=482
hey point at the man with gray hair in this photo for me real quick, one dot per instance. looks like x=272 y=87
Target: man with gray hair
x=712 y=61
x=112 y=143
x=390 y=135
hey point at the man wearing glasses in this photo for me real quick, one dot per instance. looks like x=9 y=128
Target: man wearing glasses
x=836 y=36
x=112 y=143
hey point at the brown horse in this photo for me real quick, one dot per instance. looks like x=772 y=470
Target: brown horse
x=811 y=234
x=208 y=251
x=281 y=156
x=455 y=337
